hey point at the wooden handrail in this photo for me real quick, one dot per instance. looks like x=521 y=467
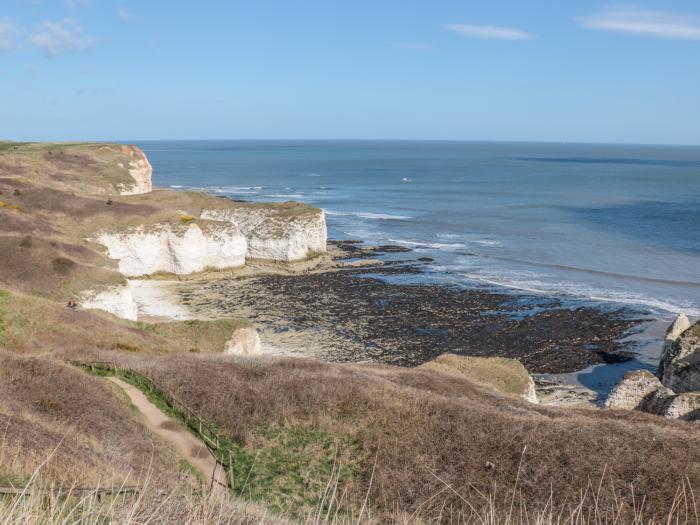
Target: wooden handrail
x=198 y=424
x=28 y=491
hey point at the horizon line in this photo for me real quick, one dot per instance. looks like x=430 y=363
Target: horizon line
x=279 y=139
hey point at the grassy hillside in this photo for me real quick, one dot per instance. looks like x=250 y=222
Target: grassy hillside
x=422 y=441
x=31 y=324
x=317 y=442
x=75 y=428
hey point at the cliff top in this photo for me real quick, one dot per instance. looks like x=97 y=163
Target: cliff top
x=85 y=168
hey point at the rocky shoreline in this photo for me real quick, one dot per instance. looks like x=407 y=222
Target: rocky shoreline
x=343 y=312
x=160 y=255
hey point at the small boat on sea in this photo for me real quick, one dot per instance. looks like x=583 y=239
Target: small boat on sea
x=406 y=180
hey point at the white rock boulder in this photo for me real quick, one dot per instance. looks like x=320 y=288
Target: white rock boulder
x=638 y=390
x=684 y=406
x=116 y=300
x=175 y=248
x=244 y=341
x=273 y=235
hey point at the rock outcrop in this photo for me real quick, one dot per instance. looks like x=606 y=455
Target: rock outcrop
x=140 y=170
x=175 y=248
x=638 y=390
x=244 y=341
x=275 y=233
x=116 y=300
x=679 y=368
x=675 y=391
x=683 y=406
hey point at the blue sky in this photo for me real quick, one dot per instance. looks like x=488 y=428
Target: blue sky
x=378 y=69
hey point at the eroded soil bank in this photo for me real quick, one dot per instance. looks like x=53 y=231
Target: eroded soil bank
x=355 y=314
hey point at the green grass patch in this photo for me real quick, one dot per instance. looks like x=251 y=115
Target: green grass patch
x=186 y=467
x=288 y=467
x=285 y=466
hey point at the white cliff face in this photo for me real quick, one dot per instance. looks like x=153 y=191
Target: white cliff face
x=680 y=361
x=140 y=169
x=244 y=341
x=684 y=406
x=116 y=300
x=178 y=249
x=531 y=395
x=670 y=350
x=273 y=237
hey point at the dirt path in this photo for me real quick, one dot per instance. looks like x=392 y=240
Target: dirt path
x=176 y=436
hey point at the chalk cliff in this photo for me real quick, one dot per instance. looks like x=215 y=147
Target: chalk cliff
x=175 y=248
x=675 y=391
x=244 y=341
x=116 y=300
x=679 y=368
x=140 y=170
x=638 y=390
x=276 y=233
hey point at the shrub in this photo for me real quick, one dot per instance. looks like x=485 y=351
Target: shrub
x=26 y=242
x=126 y=347
x=62 y=265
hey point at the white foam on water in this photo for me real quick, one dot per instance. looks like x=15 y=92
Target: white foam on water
x=486 y=242
x=531 y=282
x=285 y=196
x=368 y=215
x=433 y=245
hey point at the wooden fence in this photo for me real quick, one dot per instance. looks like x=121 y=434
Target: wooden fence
x=197 y=424
x=76 y=491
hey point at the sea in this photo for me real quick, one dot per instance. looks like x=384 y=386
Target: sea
x=617 y=226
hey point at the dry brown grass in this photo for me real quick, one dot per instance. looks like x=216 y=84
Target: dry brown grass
x=151 y=508
x=81 y=167
x=434 y=437
x=507 y=376
x=52 y=269
x=74 y=426
x=32 y=324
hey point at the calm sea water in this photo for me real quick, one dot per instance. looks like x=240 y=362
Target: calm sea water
x=607 y=223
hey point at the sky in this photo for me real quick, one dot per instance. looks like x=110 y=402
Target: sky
x=506 y=70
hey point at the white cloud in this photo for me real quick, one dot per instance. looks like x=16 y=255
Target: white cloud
x=73 y=4
x=490 y=32
x=632 y=20
x=54 y=38
x=123 y=14
x=8 y=34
